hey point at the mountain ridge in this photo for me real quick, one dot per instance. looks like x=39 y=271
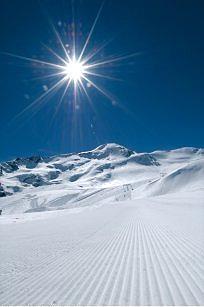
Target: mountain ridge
x=39 y=158
x=68 y=179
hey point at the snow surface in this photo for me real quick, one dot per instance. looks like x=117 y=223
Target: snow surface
x=132 y=232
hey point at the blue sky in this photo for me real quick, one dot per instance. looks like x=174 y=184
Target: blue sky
x=159 y=103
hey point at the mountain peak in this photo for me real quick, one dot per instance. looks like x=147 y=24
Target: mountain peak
x=108 y=149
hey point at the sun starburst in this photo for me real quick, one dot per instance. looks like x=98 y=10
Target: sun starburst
x=76 y=73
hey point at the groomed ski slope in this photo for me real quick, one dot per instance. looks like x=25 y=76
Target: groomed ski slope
x=133 y=252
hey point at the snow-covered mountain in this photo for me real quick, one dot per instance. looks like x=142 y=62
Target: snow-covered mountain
x=109 y=172
x=132 y=234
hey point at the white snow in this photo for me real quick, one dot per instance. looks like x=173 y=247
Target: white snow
x=40 y=184
x=130 y=233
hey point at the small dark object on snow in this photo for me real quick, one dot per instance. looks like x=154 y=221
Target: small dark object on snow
x=0 y=211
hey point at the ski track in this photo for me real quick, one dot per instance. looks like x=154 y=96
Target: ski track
x=125 y=257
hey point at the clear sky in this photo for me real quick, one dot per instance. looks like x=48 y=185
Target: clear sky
x=159 y=104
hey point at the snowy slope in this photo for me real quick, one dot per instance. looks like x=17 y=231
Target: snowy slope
x=40 y=184
x=133 y=233
x=136 y=252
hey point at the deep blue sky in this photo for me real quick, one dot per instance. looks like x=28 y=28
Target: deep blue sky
x=162 y=93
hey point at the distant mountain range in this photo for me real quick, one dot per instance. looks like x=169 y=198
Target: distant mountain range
x=105 y=173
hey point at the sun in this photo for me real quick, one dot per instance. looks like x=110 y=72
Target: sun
x=74 y=70
x=77 y=66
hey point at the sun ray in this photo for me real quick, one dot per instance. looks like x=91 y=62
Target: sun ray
x=87 y=95
x=98 y=88
x=61 y=43
x=48 y=76
x=93 y=53
x=53 y=65
x=41 y=97
x=61 y=99
x=116 y=59
x=102 y=76
x=91 y=31
x=57 y=55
